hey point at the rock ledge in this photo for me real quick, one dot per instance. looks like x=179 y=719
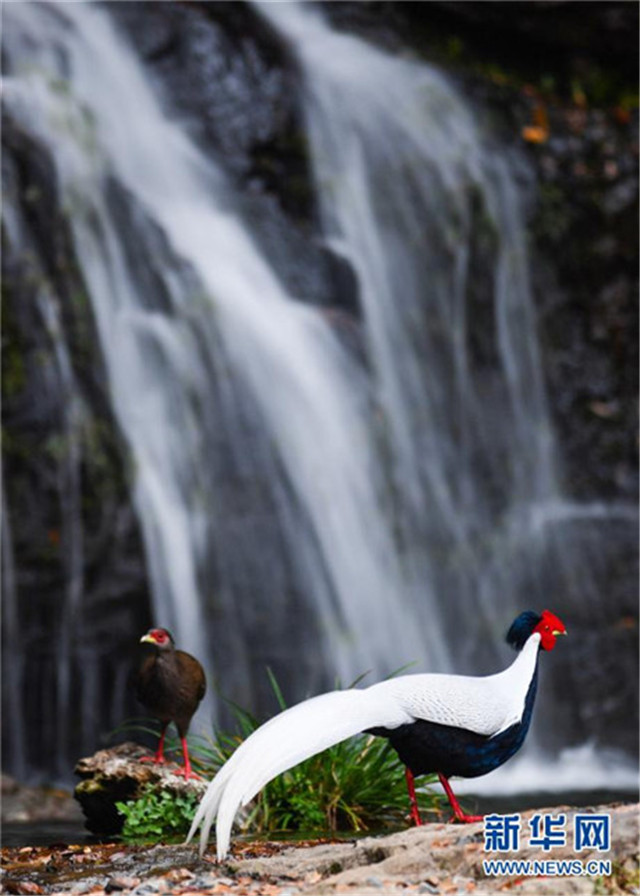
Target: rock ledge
x=119 y=774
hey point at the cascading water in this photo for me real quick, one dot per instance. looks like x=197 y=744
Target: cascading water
x=399 y=165
x=288 y=493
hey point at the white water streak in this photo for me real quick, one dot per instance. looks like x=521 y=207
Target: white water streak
x=301 y=377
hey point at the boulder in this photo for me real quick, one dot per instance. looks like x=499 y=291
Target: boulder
x=117 y=775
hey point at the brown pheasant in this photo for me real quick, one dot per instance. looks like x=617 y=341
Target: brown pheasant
x=170 y=685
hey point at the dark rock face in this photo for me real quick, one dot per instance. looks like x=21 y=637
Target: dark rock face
x=224 y=72
x=553 y=37
x=586 y=225
x=69 y=523
x=586 y=221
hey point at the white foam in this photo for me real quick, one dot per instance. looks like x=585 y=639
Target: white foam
x=576 y=768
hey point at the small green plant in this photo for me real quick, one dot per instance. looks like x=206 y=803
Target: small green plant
x=157 y=813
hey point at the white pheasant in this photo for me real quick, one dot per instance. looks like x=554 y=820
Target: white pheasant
x=445 y=724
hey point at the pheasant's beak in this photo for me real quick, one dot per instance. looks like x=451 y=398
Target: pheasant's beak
x=147 y=639
x=556 y=632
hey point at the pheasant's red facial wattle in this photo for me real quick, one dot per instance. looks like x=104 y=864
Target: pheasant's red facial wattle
x=158 y=636
x=549 y=628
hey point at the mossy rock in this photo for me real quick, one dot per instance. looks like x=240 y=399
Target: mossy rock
x=118 y=775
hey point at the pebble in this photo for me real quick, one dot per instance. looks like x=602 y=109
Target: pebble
x=121 y=883
x=427 y=888
x=206 y=881
x=373 y=882
x=177 y=875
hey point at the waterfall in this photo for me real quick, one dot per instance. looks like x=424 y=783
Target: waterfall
x=300 y=502
x=405 y=176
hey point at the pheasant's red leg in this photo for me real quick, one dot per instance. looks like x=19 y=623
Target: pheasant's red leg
x=158 y=758
x=187 y=771
x=455 y=805
x=411 y=787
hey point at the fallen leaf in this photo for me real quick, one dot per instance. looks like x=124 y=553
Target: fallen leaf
x=26 y=886
x=535 y=134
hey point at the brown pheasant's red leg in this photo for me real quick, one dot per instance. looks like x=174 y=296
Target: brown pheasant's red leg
x=158 y=757
x=455 y=805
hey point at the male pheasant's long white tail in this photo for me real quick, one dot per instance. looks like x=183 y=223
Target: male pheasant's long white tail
x=281 y=743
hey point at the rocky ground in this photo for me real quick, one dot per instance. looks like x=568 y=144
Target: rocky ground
x=437 y=858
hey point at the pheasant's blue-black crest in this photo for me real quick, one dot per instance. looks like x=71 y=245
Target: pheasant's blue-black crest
x=521 y=629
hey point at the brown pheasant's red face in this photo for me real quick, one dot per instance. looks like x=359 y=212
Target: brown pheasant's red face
x=159 y=637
